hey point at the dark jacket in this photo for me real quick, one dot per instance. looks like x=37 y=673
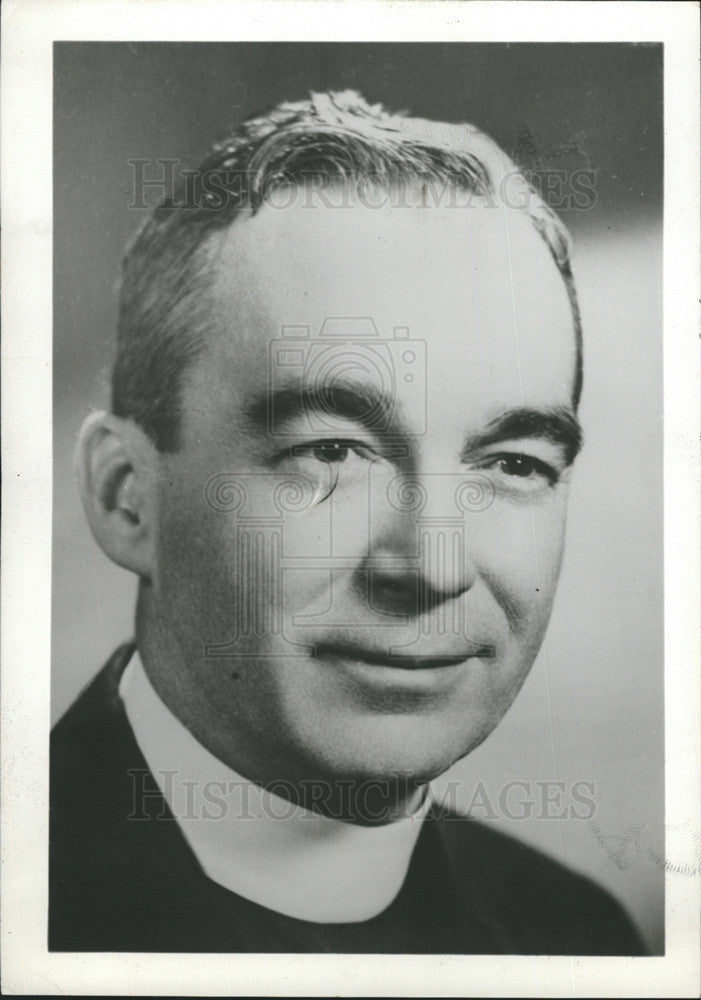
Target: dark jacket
x=121 y=884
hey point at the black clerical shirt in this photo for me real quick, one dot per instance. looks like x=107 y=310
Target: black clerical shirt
x=120 y=884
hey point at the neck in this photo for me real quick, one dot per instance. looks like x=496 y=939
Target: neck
x=364 y=800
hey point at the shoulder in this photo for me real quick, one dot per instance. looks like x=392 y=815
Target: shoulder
x=98 y=700
x=114 y=848
x=536 y=903
x=92 y=741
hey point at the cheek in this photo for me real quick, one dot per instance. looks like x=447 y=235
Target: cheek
x=192 y=541
x=261 y=570
x=318 y=547
x=518 y=550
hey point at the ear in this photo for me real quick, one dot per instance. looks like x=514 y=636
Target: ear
x=117 y=468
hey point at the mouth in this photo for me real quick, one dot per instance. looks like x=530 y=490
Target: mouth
x=402 y=661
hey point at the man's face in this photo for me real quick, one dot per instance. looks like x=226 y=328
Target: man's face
x=359 y=566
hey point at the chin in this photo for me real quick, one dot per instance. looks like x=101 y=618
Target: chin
x=394 y=749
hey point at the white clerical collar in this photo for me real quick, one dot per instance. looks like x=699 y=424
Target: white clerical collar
x=257 y=844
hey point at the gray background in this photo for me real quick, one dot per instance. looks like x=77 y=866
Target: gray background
x=592 y=709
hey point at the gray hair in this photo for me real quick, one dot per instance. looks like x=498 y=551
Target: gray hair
x=337 y=138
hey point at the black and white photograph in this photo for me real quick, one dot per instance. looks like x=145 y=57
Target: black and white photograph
x=357 y=619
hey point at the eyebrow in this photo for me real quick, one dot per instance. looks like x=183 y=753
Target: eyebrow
x=364 y=404
x=557 y=424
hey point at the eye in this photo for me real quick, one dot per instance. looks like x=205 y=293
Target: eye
x=525 y=467
x=329 y=452
x=330 y=464
x=520 y=473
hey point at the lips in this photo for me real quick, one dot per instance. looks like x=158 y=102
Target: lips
x=401 y=661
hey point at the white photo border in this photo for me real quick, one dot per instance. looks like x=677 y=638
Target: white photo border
x=29 y=29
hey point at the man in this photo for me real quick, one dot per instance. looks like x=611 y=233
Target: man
x=342 y=431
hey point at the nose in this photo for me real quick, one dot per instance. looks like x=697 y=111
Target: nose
x=420 y=555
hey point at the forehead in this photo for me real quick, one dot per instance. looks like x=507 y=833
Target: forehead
x=477 y=284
